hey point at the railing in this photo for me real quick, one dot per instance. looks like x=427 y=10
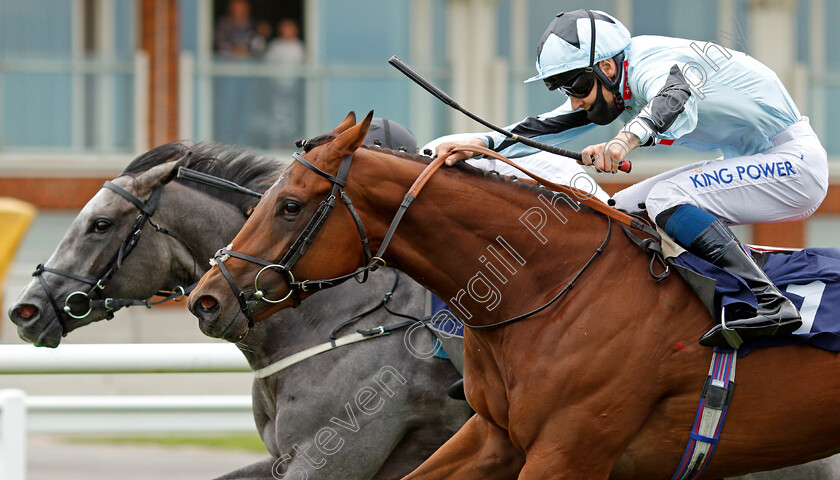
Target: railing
x=21 y=414
x=105 y=93
x=208 y=84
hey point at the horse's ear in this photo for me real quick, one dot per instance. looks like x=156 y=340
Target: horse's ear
x=348 y=122
x=161 y=174
x=351 y=139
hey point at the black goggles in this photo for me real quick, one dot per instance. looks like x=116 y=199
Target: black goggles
x=578 y=86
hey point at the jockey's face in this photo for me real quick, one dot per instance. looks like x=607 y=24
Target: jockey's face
x=587 y=102
x=609 y=69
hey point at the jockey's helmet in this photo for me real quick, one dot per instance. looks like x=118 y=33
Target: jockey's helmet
x=567 y=43
x=390 y=134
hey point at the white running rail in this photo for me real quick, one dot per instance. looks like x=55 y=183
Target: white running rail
x=21 y=414
x=123 y=358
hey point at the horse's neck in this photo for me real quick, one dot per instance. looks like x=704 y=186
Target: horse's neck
x=202 y=221
x=485 y=242
x=292 y=331
x=206 y=224
x=493 y=251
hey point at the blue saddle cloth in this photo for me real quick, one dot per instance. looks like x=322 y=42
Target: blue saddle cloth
x=810 y=278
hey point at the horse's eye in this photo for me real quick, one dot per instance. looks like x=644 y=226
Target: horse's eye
x=290 y=208
x=101 y=225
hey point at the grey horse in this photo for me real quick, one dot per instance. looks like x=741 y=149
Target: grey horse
x=366 y=410
x=371 y=409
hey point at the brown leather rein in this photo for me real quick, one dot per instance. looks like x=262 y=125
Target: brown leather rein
x=585 y=198
x=373 y=262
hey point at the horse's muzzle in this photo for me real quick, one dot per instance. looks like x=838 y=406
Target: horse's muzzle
x=33 y=327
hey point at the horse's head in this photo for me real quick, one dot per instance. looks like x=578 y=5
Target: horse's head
x=74 y=286
x=294 y=236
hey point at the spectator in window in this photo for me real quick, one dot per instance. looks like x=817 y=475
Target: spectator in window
x=287 y=91
x=287 y=48
x=234 y=96
x=259 y=44
x=236 y=32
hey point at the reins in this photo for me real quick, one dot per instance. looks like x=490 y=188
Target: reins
x=556 y=297
x=373 y=262
x=583 y=197
x=359 y=335
x=648 y=245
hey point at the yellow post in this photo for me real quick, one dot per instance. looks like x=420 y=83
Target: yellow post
x=15 y=218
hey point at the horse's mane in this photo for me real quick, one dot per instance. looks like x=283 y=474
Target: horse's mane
x=248 y=168
x=460 y=166
x=466 y=168
x=512 y=182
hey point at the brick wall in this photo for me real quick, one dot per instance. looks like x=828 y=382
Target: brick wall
x=52 y=193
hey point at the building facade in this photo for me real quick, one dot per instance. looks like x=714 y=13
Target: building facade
x=86 y=85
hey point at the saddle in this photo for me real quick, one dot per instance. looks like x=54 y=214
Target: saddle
x=809 y=277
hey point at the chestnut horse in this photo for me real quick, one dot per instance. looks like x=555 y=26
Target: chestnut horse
x=601 y=384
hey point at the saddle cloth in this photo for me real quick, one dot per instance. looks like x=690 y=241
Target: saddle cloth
x=809 y=277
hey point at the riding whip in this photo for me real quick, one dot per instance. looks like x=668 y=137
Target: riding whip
x=624 y=166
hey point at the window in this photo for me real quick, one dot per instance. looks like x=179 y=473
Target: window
x=254 y=93
x=67 y=76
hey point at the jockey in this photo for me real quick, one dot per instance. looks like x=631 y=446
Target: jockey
x=698 y=95
x=390 y=134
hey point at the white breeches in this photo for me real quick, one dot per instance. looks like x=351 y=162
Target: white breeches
x=784 y=183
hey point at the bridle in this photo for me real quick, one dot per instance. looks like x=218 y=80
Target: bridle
x=284 y=266
x=298 y=248
x=94 y=295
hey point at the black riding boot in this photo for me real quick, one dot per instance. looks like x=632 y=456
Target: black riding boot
x=775 y=315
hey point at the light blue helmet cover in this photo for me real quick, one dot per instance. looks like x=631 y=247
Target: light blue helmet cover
x=567 y=43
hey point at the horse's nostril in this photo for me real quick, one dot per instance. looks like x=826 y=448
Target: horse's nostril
x=27 y=311
x=207 y=302
x=207 y=309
